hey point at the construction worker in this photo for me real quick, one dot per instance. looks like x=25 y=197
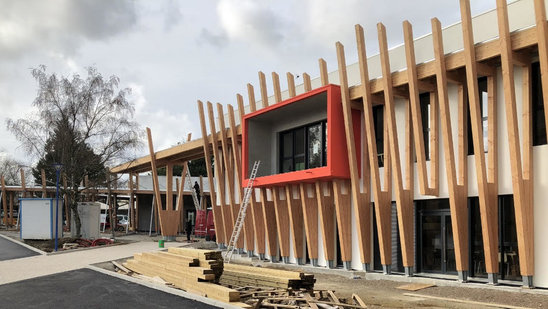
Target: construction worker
x=197 y=189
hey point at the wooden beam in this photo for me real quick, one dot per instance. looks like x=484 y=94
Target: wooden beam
x=306 y=82
x=219 y=225
x=276 y=85
x=282 y=219
x=323 y=72
x=541 y=31
x=4 y=200
x=457 y=204
x=487 y=208
x=382 y=198
x=326 y=209
x=357 y=201
x=269 y=215
x=44 y=186
x=523 y=207
x=169 y=186
x=256 y=211
x=291 y=85
x=23 y=183
x=11 y=210
x=227 y=156
x=264 y=93
x=251 y=96
x=418 y=130
x=309 y=204
x=155 y=184
x=131 y=202
x=219 y=174
x=404 y=199
x=344 y=220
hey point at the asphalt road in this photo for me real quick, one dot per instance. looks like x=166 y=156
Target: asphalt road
x=85 y=288
x=10 y=250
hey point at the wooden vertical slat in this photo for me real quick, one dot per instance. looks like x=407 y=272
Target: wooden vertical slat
x=434 y=185
x=4 y=200
x=137 y=203
x=343 y=206
x=326 y=209
x=306 y=82
x=66 y=200
x=131 y=206
x=382 y=199
x=256 y=210
x=542 y=38
x=269 y=215
x=310 y=218
x=404 y=202
x=248 y=220
x=276 y=85
x=251 y=96
x=295 y=210
x=44 y=186
x=282 y=218
x=457 y=205
x=155 y=184
x=229 y=172
x=264 y=92
x=219 y=225
x=11 y=222
x=169 y=186
x=291 y=85
x=219 y=174
x=523 y=208
x=323 y=72
x=418 y=132
x=487 y=207
x=23 y=183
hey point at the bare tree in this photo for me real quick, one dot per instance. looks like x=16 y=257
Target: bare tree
x=11 y=170
x=85 y=124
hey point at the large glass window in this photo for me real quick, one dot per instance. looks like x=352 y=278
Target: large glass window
x=539 y=124
x=303 y=147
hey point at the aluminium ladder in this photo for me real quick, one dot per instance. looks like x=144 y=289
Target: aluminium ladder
x=241 y=214
x=188 y=180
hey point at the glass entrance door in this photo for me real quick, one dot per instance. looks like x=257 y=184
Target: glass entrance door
x=437 y=249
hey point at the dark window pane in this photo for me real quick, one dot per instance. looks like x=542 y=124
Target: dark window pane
x=424 y=99
x=299 y=141
x=287 y=165
x=287 y=139
x=539 y=124
x=324 y=163
x=378 y=123
x=315 y=146
x=299 y=163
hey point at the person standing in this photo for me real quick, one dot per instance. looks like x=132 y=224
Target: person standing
x=188 y=229
x=197 y=189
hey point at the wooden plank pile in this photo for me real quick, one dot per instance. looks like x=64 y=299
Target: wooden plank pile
x=241 y=275
x=192 y=270
x=289 y=298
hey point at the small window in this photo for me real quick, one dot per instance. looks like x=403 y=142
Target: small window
x=484 y=105
x=537 y=109
x=303 y=147
x=378 y=123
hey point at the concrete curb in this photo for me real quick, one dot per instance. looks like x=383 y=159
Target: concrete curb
x=166 y=289
x=24 y=245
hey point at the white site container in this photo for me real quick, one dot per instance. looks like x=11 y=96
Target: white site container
x=90 y=218
x=38 y=218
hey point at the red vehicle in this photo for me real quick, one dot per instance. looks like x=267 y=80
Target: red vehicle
x=205 y=226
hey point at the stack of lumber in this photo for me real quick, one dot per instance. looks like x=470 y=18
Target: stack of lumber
x=192 y=270
x=241 y=275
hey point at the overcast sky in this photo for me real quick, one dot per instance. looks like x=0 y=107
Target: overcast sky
x=173 y=53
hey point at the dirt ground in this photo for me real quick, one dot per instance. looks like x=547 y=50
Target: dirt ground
x=384 y=294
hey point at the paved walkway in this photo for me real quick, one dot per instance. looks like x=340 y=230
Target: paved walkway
x=10 y=250
x=41 y=265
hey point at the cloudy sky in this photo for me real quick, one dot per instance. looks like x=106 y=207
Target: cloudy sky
x=173 y=53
